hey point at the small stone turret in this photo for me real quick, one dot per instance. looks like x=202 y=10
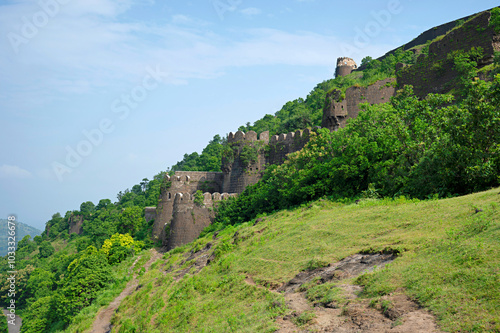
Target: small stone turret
x=345 y=66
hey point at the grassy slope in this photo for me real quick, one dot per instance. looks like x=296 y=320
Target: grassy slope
x=122 y=274
x=449 y=263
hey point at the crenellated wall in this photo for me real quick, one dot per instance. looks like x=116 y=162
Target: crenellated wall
x=183 y=182
x=243 y=160
x=282 y=145
x=240 y=172
x=179 y=220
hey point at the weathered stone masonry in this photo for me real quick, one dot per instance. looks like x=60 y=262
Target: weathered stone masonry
x=179 y=220
x=339 y=108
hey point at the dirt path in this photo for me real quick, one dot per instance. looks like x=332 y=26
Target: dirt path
x=102 y=323
x=18 y=322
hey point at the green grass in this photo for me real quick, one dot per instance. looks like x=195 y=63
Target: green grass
x=449 y=263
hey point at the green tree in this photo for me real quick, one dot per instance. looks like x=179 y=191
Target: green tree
x=87 y=208
x=131 y=220
x=37 y=317
x=40 y=284
x=104 y=204
x=46 y=249
x=86 y=277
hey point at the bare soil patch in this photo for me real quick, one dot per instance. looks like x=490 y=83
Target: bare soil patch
x=392 y=313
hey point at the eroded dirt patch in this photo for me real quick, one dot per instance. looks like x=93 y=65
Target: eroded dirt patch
x=194 y=262
x=392 y=313
x=346 y=268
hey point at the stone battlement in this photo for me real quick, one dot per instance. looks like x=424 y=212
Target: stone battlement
x=250 y=136
x=291 y=137
x=194 y=176
x=208 y=198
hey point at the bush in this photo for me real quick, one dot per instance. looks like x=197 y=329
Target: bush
x=46 y=249
x=119 y=247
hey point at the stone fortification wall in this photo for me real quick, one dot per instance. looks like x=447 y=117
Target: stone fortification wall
x=190 y=218
x=282 y=145
x=240 y=171
x=339 y=108
x=149 y=214
x=243 y=160
x=183 y=182
x=433 y=73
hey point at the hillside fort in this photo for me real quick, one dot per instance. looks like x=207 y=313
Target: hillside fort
x=182 y=214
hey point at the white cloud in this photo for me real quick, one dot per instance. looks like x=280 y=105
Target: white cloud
x=13 y=171
x=89 y=48
x=250 y=11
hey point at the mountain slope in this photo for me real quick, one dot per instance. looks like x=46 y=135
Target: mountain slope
x=447 y=260
x=21 y=231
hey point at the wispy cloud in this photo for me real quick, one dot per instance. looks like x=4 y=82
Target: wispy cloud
x=88 y=48
x=13 y=172
x=250 y=11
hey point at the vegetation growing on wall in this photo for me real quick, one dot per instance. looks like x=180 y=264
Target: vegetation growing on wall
x=495 y=19
x=199 y=198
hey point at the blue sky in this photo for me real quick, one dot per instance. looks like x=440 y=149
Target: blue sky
x=97 y=94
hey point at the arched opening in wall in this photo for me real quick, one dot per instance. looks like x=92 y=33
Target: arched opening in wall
x=256 y=169
x=169 y=196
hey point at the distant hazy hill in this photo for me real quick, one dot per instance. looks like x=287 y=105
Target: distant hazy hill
x=21 y=231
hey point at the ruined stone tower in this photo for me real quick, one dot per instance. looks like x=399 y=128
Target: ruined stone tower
x=345 y=66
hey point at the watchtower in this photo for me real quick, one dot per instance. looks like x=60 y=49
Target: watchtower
x=345 y=66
